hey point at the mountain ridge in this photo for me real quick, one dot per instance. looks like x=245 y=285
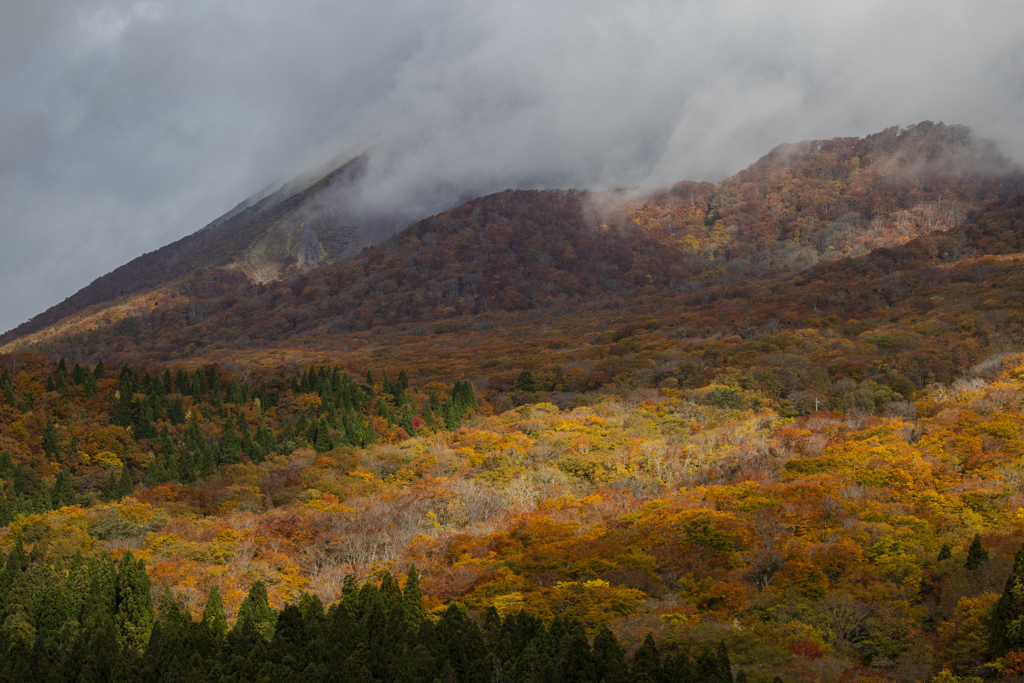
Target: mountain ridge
x=799 y=205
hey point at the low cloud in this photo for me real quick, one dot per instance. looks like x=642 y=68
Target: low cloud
x=129 y=124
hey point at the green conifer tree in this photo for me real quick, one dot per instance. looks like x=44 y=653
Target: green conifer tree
x=229 y=445
x=110 y=489
x=194 y=439
x=405 y=422
x=245 y=434
x=50 y=447
x=122 y=413
x=198 y=388
x=63 y=491
x=213 y=615
x=90 y=385
x=1007 y=623
x=369 y=433
x=324 y=442
x=8 y=389
x=216 y=398
x=146 y=429
x=976 y=554
x=724 y=664
x=182 y=382
x=255 y=612
x=412 y=601
x=234 y=393
x=646 y=667
x=124 y=484
x=134 y=607
x=525 y=382
x=156 y=471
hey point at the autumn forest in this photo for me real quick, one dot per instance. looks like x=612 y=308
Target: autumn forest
x=770 y=429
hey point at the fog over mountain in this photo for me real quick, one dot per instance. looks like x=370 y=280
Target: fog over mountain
x=128 y=124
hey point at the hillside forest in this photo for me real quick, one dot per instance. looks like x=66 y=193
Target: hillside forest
x=765 y=430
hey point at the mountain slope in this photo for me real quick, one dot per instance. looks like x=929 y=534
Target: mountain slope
x=800 y=205
x=302 y=224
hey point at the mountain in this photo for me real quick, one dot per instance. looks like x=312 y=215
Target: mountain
x=303 y=224
x=798 y=206
x=768 y=429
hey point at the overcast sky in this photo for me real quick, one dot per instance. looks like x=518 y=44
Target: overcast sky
x=125 y=124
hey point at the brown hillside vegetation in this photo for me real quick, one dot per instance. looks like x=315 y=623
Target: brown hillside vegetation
x=778 y=418
x=798 y=206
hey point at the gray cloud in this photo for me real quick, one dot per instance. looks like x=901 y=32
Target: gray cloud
x=130 y=123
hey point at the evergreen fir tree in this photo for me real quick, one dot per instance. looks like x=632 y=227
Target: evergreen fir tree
x=213 y=615
x=110 y=489
x=60 y=384
x=172 y=469
x=90 y=386
x=146 y=428
x=405 y=422
x=245 y=435
x=182 y=383
x=100 y=370
x=129 y=377
x=370 y=433
x=8 y=389
x=452 y=418
x=324 y=442
x=198 y=387
x=724 y=665
x=63 y=492
x=77 y=374
x=234 y=393
x=7 y=511
x=383 y=411
x=166 y=443
x=575 y=662
x=17 y=561
x=646 y=666
x=176 y=412
x=229 y=445
x=50 y=447
x=187 y=464
x=194 y=439
x=122 y=414
x=525 y=382
x=216 y=399
x=207 y=463
x=708 y=667
x=255 y=612
x=134 y=611
x=1007 y=624
x=945 y=553
x=976 y=554
x=124 y=484
x=156 y=471
x=412 y=600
